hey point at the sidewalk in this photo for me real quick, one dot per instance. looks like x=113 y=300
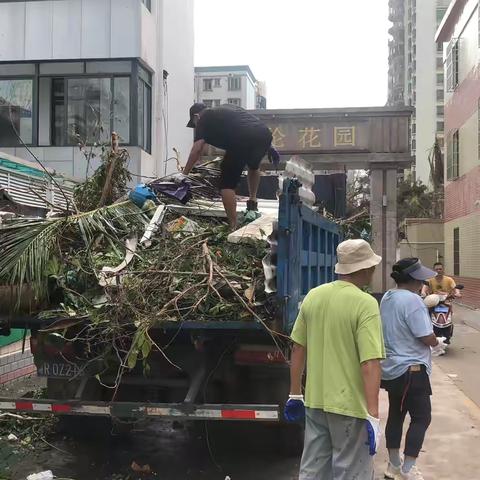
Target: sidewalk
x=468 y=315
x=452 y=445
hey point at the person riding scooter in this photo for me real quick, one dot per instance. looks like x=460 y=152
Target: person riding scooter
x=441 y=312
x=439 y=293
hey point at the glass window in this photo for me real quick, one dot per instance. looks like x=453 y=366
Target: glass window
x=439 y=110
x=235 y=101
x=234 y=83
x=89 y=109
x=16 y=108
x=108 y=67
x=440 y=94
x=218 y=82
x=144 y=116
x=440 y=126
x=17 y=69
x=207 y=84
x=208 y=103
x=61 y=68
x=456 y=251
x=148 y=4
x=121 y=108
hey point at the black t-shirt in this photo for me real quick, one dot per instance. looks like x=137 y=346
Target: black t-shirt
x=229 y=127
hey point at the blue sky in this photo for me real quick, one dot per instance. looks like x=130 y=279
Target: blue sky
x=311 y=53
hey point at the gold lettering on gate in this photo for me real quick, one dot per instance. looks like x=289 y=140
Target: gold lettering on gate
x=309 y=137
x=278 y=138
x=344 y=136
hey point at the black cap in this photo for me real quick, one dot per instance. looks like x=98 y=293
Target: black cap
x=194 y=110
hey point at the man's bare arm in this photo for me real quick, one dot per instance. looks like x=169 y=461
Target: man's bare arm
x=430 y=340
x=194 y=156
x=372 y=375
x=297 y=367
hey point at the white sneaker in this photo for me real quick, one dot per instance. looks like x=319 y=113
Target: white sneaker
x=413 y=474
x=392 y=471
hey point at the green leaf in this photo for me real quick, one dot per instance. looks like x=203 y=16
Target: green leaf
x=132 y=359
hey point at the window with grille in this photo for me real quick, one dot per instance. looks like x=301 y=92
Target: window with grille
x=207 y=84
x=453 y=156
x=234 y=83
x=452 y=65
x=456 y=251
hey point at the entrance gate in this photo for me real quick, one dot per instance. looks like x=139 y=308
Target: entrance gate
x=376 y=139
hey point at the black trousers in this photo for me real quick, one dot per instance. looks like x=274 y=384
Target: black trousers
x=410 y=394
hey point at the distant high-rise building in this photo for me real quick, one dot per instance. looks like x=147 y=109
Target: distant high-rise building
x=415 y=76
x=235 y=84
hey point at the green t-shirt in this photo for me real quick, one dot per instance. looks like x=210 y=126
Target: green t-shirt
x=340 y=327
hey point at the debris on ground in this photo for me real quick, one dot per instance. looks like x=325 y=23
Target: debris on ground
x=143 y=469
x=12 y=438
x=46 y=475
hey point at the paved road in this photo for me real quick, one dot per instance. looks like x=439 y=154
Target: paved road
x=241 y=453
x=462 y=362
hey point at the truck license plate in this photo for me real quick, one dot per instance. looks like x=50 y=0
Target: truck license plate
x=58 y=370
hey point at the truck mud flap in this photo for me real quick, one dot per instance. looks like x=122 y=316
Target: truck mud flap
x=136 y=411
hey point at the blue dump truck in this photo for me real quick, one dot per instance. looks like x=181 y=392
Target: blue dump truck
x=215 y=371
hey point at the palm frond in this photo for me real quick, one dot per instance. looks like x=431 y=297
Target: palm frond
x=27 y=247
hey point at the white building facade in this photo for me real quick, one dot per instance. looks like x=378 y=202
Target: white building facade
x=77 y=70
x=235 y=84
x=416 y=74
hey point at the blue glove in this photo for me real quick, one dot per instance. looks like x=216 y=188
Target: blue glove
x=274 y=156
x=373 y=432
x=294 y=409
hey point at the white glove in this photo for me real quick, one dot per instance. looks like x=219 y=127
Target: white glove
x=440 y=348
x=373 y=431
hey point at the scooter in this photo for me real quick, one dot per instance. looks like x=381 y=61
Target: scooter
x=441 y=313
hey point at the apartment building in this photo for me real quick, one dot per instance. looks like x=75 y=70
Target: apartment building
x=459 y=34
x=75 y=71
x=415 y=75
x=234 y=84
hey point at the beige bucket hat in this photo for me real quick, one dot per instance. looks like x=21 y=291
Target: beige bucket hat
x=355 y=255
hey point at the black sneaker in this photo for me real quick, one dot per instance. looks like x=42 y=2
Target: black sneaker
x=252 y=206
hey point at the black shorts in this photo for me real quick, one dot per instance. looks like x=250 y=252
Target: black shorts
x=248 y=153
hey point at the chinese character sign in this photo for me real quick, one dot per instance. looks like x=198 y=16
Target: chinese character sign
x=278 y=137
x=344 y=136
x=309 y=137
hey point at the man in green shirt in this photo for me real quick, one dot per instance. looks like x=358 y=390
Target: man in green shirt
x=338 y=334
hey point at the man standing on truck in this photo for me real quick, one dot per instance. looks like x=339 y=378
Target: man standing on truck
x=245 y=139
x=338 y=334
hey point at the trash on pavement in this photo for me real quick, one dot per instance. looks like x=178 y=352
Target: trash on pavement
x=183 y=225
x=46 y=475
x=12 y=438
x=143 y=469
